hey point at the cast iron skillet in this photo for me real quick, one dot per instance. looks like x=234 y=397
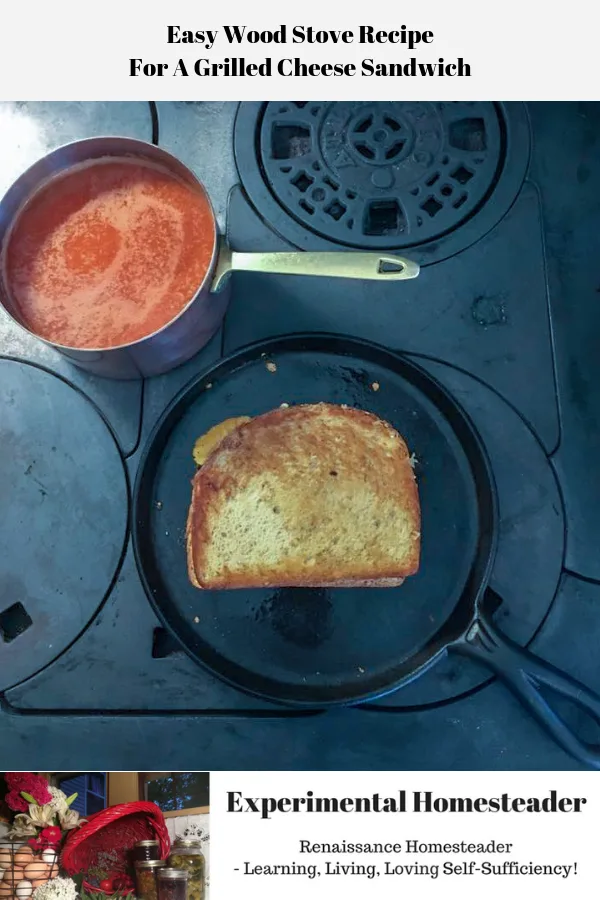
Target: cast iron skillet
x=319 y=648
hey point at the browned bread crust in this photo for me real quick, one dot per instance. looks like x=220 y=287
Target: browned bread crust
x=315 y=495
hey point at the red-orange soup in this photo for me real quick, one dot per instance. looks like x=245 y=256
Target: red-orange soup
x=108 y=253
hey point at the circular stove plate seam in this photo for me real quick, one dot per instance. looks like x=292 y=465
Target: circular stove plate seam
x=45 y=468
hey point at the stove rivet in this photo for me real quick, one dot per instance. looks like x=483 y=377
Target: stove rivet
x=382 y=178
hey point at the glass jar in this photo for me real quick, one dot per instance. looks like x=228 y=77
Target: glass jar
x=145 y=850
x=187 y=854
x=145 y=878
x=173 y=884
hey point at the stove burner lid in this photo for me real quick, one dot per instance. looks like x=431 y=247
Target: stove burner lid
x=381 y=174
x=384 y=175
x=64 y=516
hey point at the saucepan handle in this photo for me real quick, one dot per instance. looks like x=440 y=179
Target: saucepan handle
x=524 y=673
x=363 y=266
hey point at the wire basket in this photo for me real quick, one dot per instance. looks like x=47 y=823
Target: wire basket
x=101 y=848
x=24 y=869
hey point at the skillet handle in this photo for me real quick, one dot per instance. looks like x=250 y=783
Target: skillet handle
x=524 y=674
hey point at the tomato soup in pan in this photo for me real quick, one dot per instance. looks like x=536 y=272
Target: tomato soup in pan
x=108 y=253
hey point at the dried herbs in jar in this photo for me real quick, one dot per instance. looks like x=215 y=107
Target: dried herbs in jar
x=187 y=855
x=145 y=878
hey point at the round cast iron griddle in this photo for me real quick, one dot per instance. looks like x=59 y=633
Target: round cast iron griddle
x=64 y=500
x=320 y=647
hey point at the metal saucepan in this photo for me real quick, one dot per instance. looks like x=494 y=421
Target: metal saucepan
x=193 y=327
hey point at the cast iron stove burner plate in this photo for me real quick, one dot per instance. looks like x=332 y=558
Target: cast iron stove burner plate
x=384 y=175
x=64 y=516
x=315 y=640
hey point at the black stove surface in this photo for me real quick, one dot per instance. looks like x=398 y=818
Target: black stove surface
x=499 y=203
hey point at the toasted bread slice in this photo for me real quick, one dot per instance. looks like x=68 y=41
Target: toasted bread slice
x=307 y=496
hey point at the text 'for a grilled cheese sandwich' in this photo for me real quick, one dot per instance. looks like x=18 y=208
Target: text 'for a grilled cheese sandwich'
x=400 y=40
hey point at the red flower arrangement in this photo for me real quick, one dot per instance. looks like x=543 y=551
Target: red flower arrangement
x=28 y=783
x=42 y=813
x=48 y=837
